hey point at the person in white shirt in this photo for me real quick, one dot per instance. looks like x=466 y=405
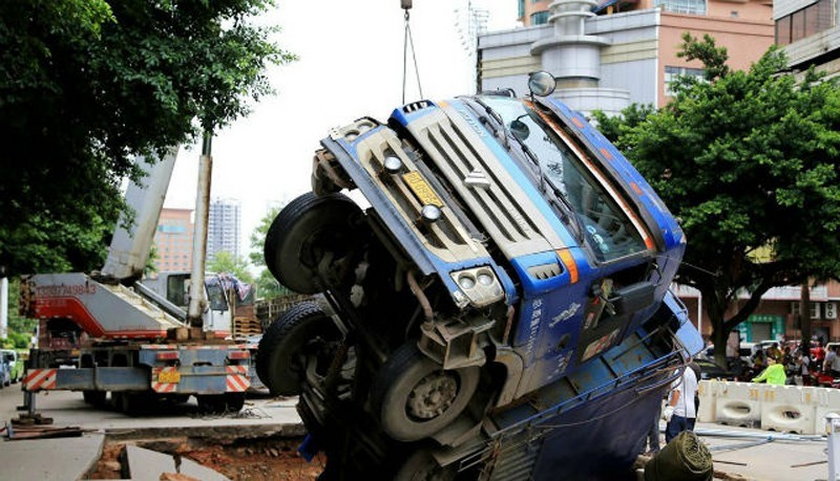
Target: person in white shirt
x=681 y=412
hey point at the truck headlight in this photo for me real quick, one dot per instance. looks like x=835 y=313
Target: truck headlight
x=479 y=285
x=430 y=212
x=392 y=164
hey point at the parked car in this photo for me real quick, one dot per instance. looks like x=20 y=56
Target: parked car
x=5 y=372
x=15 y=362
x=710 y=370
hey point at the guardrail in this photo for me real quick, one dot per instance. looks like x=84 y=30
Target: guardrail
x=791 y=409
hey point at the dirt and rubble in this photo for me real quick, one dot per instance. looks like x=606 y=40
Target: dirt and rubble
x=240 y=460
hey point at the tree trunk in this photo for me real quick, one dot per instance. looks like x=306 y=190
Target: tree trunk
x=719 y=338
x=805 y=314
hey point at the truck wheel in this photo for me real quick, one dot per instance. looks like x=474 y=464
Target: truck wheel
x=130 y=403
x=221 y=403
x=417 y=398
x=95 y=398
x=422 y=466
x=306 y=229
x=299 y=335
x=234 y=401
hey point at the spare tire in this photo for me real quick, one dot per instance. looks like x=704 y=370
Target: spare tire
x=307 y=229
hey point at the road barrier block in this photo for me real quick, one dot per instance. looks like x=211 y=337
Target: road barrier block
x=827 y=400
x=707 y=390
x=783 y=409
x=739 y=404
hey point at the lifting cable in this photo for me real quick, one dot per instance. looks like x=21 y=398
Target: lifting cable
x=409 y=40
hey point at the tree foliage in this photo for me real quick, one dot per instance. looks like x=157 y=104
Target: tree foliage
x=227 y=263
x=267 y=285
x=749 y=161
x=86 y=84
x=20 y=328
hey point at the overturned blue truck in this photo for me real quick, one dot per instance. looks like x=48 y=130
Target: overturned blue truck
x=492 y=303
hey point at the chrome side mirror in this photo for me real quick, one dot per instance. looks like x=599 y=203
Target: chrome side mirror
x=541 y=83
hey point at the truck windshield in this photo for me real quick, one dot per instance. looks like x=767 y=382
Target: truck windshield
x=607 y=227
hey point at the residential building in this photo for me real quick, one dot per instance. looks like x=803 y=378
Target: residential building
x=174 y=240
x=533 y=12
x=777 y=315
x=606 y=56
x=224 y=227
x=809 y=30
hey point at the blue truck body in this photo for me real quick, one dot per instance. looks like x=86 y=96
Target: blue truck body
x=574 y=326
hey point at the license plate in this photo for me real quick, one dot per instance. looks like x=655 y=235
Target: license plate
x=421 y=189
x=169 y=376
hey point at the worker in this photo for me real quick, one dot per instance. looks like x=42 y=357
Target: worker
x=831 y=365
x=774 y=374
x=681 y=412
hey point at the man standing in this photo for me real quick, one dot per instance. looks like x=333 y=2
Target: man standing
x=831 y=365
x=681 y=413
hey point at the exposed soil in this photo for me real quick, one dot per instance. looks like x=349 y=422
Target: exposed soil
x=245 y=460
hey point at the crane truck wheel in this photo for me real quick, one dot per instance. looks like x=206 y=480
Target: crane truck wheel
x=95 y=398
x=299 y=336
x=308 y=230
x=417 y=397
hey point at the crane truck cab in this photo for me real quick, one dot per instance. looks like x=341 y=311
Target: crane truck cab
x=509 y=273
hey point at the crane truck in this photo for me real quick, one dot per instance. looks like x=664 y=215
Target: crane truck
x=493 y=305
x=109 y=332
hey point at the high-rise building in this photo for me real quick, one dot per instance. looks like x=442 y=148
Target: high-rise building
x=174 y=240
x=606 y=55
x=224 y=227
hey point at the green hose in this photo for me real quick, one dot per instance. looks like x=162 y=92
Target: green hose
x=685 y=458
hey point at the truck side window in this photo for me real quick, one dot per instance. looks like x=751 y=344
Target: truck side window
x=216 y=297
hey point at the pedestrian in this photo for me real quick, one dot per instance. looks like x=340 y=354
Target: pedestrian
x=681 y=412
x=774 y=352
x=774 y=374
x=817 y=355
x=759 y=362
x=802 y=373
x=831 y=365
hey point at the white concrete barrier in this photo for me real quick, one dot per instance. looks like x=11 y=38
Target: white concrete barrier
x=826 y=400
x=792 y=409
x=707 y=391
x=783 y=409
x=739 y=404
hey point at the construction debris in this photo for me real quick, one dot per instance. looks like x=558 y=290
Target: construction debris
x=19 y=432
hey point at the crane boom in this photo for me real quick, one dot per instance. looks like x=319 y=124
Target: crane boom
x=133 y=236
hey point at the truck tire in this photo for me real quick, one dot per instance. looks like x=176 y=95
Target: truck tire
x=231 y=402
x=306 y=229
x=301 y=331
x=416 y=397
x=95 y=398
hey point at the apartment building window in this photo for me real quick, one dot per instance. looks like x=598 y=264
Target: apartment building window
x=692 y=7
x=521 y=8
x=805 y=22
x=539 y=18
x=673 y=73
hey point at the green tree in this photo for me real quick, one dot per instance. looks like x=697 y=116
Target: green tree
x=267 y=285
x=86 y=84
x=20 y=328
x=225 y=262
x=749 y=160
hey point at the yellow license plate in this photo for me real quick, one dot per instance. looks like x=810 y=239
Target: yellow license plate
x=169 y=376
x=422 y=189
